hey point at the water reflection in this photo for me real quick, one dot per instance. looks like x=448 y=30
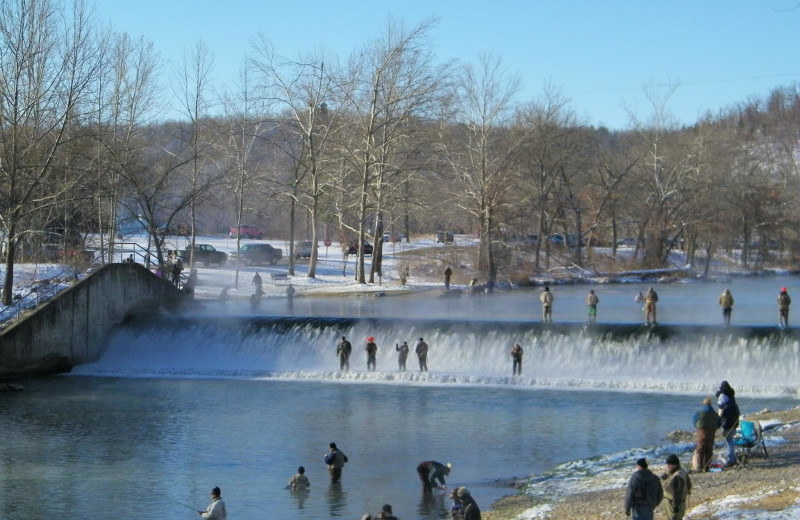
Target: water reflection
x=337 y=498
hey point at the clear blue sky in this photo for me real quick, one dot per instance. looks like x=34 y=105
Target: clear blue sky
x=598 y=52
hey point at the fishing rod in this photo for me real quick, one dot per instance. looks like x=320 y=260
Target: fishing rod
x=162 y=495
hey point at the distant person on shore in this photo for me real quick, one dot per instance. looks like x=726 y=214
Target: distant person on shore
x=677 y=487
x=643 y=493
x=343 y=350
x=258 y=283
x=783 y=308
x=402 y=356
x=447 y=274
x=650 y=300
x=729 y=413
x=707 y=422
x=216 y=509
x=372 y=352
x=516 y=356
x=726 y=302
x=299 y=482
x=465 y=507
x=430 y=471
x=335 y=459
x=290 y=297
x=177 y=268
x=591 y=303
x=422 y=355
x=191 y=283
x=547 y=305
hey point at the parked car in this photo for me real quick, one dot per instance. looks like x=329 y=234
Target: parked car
x=304 y=249
x=560 y=239
x=203 y=254
x=626 y=242
x=353 y=249
x=393 y=236
x=444 y=236
x=257 y=254
x=246 y=232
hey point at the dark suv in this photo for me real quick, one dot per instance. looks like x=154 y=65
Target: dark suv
x=205 y=254
x=353 y=249
x=257 y=254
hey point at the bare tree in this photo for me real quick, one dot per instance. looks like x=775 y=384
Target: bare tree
x=308 y=93
x=48 y=60
x=393 y=79
x=480 y=147
x=191 y=84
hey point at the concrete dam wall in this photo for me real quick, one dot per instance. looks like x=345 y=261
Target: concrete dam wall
x=72 y=328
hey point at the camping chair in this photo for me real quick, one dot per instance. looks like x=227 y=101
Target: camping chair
x=749 y=442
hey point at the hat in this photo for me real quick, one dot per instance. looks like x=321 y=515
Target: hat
x=332 y=445
x=420 y=339
x=783 y=289
x=366 y=517
x=462 y=492
x=370 y=339
x=301 y=470
x=707 y=401
x=386 y=508
x=673 y=459
x=216 y=491
x=642 y=463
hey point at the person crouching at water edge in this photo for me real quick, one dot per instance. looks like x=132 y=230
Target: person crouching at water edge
x=335 y=460
x=430 y=471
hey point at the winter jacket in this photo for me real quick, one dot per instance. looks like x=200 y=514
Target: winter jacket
x=707 y=419
x=422 y=349
x=730 y=416
x=677 y=487
x=726 y=300
x=344 y=348
x=436 y=470
x=651 y=296
x=299 y=482
x=644 y=490
x=784 y=301
x=335 y=459
x=546 y=298
x=215 y=510
x=592 y=299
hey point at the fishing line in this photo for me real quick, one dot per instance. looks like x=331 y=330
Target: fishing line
x=162 y=495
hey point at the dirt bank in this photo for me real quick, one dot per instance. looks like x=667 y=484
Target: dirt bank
x=765 y=484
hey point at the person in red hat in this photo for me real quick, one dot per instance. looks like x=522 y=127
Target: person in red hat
x=372 y=351
x=783 y=308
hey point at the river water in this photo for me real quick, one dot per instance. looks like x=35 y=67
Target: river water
x=177 y=406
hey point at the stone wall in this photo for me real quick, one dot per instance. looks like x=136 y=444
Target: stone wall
x=73 y=327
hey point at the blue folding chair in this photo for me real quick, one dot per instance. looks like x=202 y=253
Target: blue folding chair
x=749 y=442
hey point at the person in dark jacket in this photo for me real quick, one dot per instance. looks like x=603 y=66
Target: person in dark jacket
x=727 y=389
x=422 y=355
x=783 y=308
x=402 y=356
x=706 y=421
x=516 y=356
x=467 y=507
x=643 y=494
x=430 y=471
x=729 y=413
x=343 y=351
x=335 y=459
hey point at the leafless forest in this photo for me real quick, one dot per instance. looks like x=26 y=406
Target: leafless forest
x=389 y=138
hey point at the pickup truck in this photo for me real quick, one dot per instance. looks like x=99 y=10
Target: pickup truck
x=204 y=254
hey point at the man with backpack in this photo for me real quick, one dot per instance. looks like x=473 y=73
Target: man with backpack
x=643 y=494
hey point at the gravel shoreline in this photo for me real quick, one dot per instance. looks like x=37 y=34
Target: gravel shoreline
x=769 y=484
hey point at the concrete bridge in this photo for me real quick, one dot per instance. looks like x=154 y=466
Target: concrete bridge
x=73 y=328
